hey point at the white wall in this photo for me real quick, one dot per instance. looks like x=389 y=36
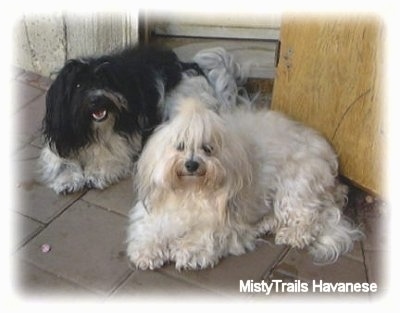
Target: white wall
x=42 y=43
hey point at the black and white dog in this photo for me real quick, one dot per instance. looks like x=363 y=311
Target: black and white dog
x=99 y=112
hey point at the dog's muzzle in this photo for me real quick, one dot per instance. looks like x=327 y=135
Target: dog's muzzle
x=99 y=107
x=191 y=166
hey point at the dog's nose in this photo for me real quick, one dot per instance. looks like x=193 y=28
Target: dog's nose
x=191 y=166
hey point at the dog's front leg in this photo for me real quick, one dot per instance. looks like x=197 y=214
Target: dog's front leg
x=147 y=248
x=109 y=162
x=62 y=175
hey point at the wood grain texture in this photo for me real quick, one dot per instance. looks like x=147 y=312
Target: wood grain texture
x=257 y=25
x=330 y=76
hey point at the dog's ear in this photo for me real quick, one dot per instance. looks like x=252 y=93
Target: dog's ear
x=162 y=61
x=58 y=122
x=101 y=67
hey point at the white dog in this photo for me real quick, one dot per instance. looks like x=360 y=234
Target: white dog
x=209 y=184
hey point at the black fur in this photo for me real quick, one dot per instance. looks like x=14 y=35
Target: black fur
x=132 y=75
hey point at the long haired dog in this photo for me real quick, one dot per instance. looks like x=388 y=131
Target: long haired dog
x=209 y=184
x=220 y=87
x=99 y=111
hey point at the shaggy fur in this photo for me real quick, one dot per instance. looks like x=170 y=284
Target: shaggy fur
x=99 y=112
x=220 y=87
x=225 y=75
x=209 y=184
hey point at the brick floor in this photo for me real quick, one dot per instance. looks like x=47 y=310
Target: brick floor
x=86 y=233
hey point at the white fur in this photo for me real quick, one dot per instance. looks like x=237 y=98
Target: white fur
x=221 y=89
x=98 y=165
x=225 y=75
x=266 y=173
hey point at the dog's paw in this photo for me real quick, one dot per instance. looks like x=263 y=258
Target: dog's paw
x=146 y=263
x=185 y=260
x=67 y=189
x=96 y=182
x=146 y=258
x=67 y=185
x=293 y=237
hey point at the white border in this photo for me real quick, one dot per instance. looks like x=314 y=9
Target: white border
x=388 y=10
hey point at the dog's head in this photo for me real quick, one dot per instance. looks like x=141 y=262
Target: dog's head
x=121 y=92
x=84 y=100
x=194 y=151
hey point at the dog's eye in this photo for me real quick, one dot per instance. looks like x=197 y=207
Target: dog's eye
x=208 y=149
x=78 y=85
x=180 y=146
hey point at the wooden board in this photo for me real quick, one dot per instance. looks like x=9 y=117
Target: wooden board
x=215 y=24
x=329 y=76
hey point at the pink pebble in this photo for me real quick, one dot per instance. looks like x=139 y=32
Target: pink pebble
x=45 y=248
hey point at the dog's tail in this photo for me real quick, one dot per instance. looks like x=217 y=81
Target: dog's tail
x=225 y=75
x=337 y=235
x=337 y=239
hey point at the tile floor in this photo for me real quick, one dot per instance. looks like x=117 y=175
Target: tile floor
x=86 y=233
